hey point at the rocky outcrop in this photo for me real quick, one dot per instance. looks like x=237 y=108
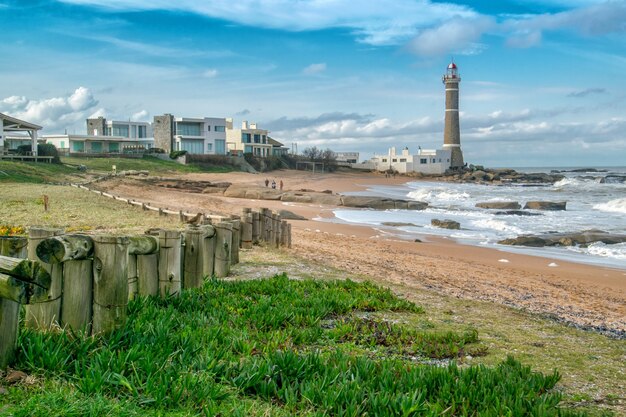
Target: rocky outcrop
x=446 y=224
x=545 y=205
x=381 y=203
x=397 y=224
x=583 y=239
x=516 y=213
x=288 y=215
x=480 y=174
x=613 y=179
x=500 y=205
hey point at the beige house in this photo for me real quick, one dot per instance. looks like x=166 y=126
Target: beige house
x=248 y=139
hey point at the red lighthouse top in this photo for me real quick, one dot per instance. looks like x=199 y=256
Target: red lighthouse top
x=452 y=72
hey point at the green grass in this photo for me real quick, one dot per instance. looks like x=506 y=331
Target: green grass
x=271 y=347
x=33 y=172
x=154 y=165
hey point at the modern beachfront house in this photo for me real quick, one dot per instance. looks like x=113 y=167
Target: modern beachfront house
x=424 y=161
x=248 y=139
x=105 y=137
x=205 y=135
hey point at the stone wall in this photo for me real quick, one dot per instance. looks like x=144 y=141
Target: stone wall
x=163 y=129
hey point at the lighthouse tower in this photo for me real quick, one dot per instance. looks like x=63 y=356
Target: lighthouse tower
x=451 y=133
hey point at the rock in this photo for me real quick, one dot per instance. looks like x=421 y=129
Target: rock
x=545 y=205
x=416 y=205
x=446 y=224
x=417 y=241
x=532 y=241
x=213 y=190
x=296 y=197
x=500 y=205
x=583 y=238
x=397 y=224
x=516 y=213
x=325 y=198
x=81 y=168
x=235 y=191
x=289 y=215
x=379 y=203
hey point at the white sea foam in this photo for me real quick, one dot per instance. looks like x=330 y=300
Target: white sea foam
x=499 y=225
x=437 y=194
x=615 y=206
x=616 y=251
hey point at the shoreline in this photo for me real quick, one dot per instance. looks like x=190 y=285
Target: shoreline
x=588 y=296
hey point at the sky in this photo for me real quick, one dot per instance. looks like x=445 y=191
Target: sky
x=542 y=81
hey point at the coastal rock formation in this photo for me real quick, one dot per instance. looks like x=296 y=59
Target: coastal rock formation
x=584 y=238
x=500 y=205
x=516 y=213
x=397 y=224
x=545 y=205
x=613 y=179
x=381 y=203
x=288 y=215
x=480 y=174
x=446 y=224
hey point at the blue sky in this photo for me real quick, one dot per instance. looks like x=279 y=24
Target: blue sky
x=542 y=81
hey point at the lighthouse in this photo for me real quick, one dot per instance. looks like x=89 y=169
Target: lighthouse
x=451 y=133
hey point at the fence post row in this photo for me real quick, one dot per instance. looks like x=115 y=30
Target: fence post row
x=85 y=282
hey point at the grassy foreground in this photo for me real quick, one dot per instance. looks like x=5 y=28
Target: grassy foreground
x=271 y=347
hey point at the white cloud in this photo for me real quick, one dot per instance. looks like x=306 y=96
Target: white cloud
x=210 y=73
x=314 y=69
x=141 y=116
x=458 y=36
x=55 y=112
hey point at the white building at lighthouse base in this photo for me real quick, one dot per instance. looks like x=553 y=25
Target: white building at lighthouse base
x=425 y=161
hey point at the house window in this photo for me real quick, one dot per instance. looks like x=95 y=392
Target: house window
x=62 y=144
x=141 y=132
x=401 y=160
x=434 y=160
x=384 y=159
x=257 y=138
x=208 y=128
x=395 y=160
x=78 y=146
x=264 y=138
x=120 y=130
x=188 y=129
x=209 y=147
x=220 y=147
x=423 y=161
x=219 y=128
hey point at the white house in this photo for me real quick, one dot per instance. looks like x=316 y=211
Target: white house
x=424 y=161
x=21 y=133
x=248 y=139
x=91 y=144
x=205 y=135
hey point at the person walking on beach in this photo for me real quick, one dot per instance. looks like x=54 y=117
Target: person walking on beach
x=281 y=185
x=273 y=184
x=267 y=182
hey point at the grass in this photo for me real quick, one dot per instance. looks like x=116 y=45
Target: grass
x=270 y=347
x=38 y=172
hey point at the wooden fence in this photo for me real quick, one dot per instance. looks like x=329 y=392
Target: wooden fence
x=84 y=282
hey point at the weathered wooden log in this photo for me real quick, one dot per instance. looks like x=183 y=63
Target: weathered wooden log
x=223 y=244
x=193 y=269
x=169 y=262
x=63 y=248
x=143 y=245
x=46 y=313
x=283 y=233
x=289 y=236
x=148 y=274
x=25 y=270
x=13 y=289
x=275 y=232
x=256 y=228
x=10 y=310
x=234 y=255
x=208 y=251
x=77 y=306
x=264 y=224
x=133 y=277
x=246 y=231
x=110 y=283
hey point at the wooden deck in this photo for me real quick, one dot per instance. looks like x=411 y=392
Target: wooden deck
x=29 y=158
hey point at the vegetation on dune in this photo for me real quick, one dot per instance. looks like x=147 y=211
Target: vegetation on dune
x=270 y=347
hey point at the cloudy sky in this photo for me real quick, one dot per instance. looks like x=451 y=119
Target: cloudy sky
x=543 y=81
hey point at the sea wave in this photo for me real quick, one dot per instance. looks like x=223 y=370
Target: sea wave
x=615 y=206
x=498 y=225
x=617 y=251
x=576 y=182
x=438 y=194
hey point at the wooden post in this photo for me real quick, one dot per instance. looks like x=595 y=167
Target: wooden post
x=193 y=269
x=143 y=274
x=63 y=248
x=47 y=313
x=133 y=277
x=256 y=228
x=283 y=233
x=246 y=230
x=169 y=262
x=275 y=235
x=77 y=306
x=289 y=236
x=234 y=255
x=223 y=243
x=10 y=310
x=110 y=283
x=264 y=225
x=208 y=250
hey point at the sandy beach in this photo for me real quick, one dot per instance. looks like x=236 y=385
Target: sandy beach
x=585 y=295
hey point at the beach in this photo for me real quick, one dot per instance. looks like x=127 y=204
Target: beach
x=588 y=296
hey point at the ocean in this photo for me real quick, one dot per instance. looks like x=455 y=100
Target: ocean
x=595 y=200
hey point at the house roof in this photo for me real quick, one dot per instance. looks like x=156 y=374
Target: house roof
x=12 y=124
x=274 y=142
